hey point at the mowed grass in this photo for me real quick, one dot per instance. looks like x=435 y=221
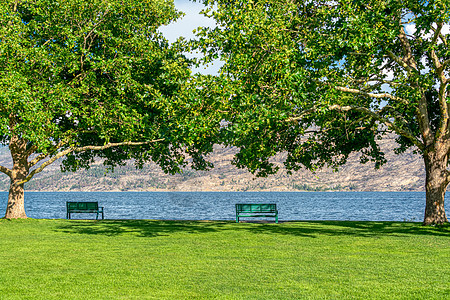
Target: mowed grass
x=147 y=259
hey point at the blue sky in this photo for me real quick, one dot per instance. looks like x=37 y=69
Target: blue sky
x=184 y=27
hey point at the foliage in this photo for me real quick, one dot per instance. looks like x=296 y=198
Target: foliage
x=78 y=77
x=322 y=79
x=142 y=259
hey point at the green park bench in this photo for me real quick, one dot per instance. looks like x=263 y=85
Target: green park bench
x=256 y=210
x=83 y=207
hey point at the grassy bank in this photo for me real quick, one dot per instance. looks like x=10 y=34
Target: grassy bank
x=60 y=259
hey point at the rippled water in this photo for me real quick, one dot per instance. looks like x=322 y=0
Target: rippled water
x=363 y=206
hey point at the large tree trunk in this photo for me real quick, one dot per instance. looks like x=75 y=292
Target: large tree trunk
x=15 y=208
x=435 y=186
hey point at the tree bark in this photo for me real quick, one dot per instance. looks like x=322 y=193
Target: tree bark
x=436 y=183
x=15 y=208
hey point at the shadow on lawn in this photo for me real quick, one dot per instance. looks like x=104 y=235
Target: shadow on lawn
x=152 y=228
x=355 y=228
x=145 y=228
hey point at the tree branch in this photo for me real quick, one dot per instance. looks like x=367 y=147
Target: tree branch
x=437 y=64
x=443 y=105
x=398 y=115
x=384 y=120
x=30 y=151
x=399 y=61
x=43 y=155
x=110 y=145
x=439 y=69
x=437 y=32
x=376 y=81
x=410 y=65
x=443 y=39
x=48 y=41
x=301 y=115
x=359 y=92
x=37 y=159
x=408 y=55
x=81 y=149
x=371 y=114
x=407 y=62
x=6 y=171
x=447 y=175
x=445 y=63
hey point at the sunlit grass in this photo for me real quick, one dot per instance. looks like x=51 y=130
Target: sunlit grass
x=78 y=259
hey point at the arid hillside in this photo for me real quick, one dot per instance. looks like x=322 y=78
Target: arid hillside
x=401 y=173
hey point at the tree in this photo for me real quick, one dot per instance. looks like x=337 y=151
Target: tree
x=322 y=79
x=85 y=79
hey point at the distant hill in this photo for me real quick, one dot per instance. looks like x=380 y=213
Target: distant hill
x=401 y=173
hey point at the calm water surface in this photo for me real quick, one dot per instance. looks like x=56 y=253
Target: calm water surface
x=357 y=206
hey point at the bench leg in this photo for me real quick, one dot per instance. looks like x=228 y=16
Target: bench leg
x=276 y=219
x=98 y=214
x=237 y=218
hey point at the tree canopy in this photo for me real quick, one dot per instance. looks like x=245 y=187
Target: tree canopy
x=84 y=79
x=319 y=80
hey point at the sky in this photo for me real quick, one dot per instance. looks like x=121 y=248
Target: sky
x=185 y=25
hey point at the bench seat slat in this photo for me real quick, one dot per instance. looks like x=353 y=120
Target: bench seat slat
x=83 y=207
x=256 y=215
x=256 y=210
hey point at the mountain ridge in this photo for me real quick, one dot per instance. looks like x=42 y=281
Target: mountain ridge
x=403 y=172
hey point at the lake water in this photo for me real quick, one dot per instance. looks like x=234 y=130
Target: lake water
x=355 y=206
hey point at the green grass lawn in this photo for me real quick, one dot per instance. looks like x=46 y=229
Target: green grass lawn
x=146 y=259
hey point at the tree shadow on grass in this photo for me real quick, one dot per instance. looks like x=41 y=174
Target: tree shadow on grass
x=354 y=228
x=144 y=228
x=153 y=228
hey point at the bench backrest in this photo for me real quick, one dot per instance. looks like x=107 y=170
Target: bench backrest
x=82 y=205
x=256 y=208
